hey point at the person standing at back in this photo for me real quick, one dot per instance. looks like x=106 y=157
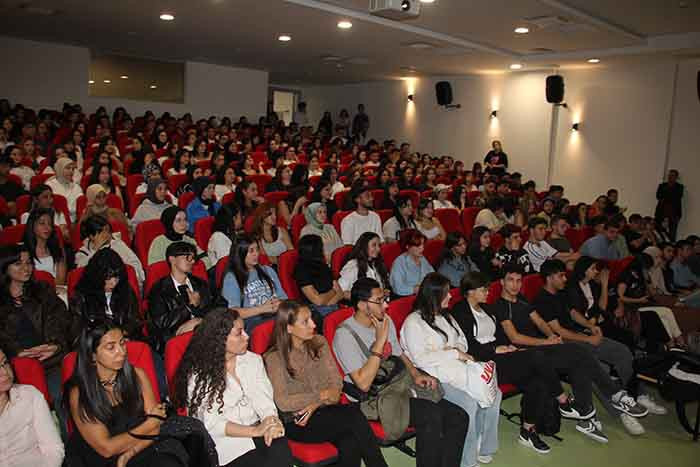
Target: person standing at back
x=669 y=195
x=360 y=124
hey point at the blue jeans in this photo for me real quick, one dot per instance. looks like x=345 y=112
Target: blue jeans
x=483 y=423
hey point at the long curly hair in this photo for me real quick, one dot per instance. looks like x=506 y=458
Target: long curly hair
x=204 y=363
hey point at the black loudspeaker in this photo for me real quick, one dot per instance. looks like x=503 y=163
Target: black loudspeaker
x=698 y=84
x=443 y=92
x=555 y=89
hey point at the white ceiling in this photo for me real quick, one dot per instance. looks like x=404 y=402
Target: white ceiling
x=467 y=36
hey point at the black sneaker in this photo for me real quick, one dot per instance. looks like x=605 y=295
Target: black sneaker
x=626 y=404
x=567 y=410
x=531 y=439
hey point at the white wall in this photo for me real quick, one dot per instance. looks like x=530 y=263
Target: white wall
x=39 y=74
x=625 y=115
x=685 y=143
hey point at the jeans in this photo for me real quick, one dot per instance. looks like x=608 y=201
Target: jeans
x=483 y=423
x=613 y=353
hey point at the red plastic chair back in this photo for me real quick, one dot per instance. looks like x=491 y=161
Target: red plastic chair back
x=43 y=276
x=331 y=323
x=400 y=309
x=22 y=204
x=617 y=267
x=378 y=198
x=449 y=218
x=338 y=219
x=298 y=223
x=413 y=194
x=390 y=251
x=185 y=199
x=286 y=263
x=160 y=269
x=497 y=241
x=385 y=214
x=202 y=231
x=468 y=219
x=132 y=183
x=146 y=232
x=532 y=284
x=433 y=250
x=228 y=198
x=338 y=258
x=455 y=297
x=175 y=181
x=261 y=337
x=274 y=197
x=261 y=180
x=30 y=371
x=340 y=199
x=495 y=290
x=174 y=351
x=35 y=180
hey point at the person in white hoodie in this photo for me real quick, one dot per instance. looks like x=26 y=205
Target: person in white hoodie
x=434 y=342
x=63 y=184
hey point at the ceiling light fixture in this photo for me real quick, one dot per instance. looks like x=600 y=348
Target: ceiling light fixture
x=522 y=30
x=516 y=66
x=344 y=24
x=92 y=81
x=410 y=97
x=284 y=38
x=124 y=77
x=167 y=16
x=494 y=113
x=153 y=86
x=107 y=81
x=427 y=1
x=593 y=60
x=575 y=126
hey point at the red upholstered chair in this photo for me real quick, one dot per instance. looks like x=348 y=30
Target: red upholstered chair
x=413 y=194
x=433 y=250
x=75 y=275
x=176 y=181
x=495 y=290
x=60 y=204
x=390 y=251
x=455 y=297
x=399 y=309
x=468 y=219
x=617 y=267
x=228 y=198
x=202 y=231
x=305 y=454
x=338 y=219
x=449 y=218
x=286 y=263
x=274 y=197
x=30 y=371
x=385 y=214
x=22 y=204
x=220 y=271
x=338 y=258
x=113 y=201
x=496 y=241
x=532 y=284
x=261 y=180
x=174 y=351
x=378 y=198
x=185 y=199
x=43 y=276
x=340 y=199
x=132 y=183
x=160 y=269
x=13 y=234
x=298 y=223
x=139 y=355
x=3 y=205
x=146 y=232
x=37 y=179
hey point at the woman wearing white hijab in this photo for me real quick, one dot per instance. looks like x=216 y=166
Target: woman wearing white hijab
x=315 y=215
x=62 y=184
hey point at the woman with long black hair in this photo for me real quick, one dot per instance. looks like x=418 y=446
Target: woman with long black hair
x=41 y=240
x=402 y=219
x=365 y=260
x=228 y=223
x=307 y=387
x=315 y=278
x=113 y=407
x=482 y=254
x=225 y=386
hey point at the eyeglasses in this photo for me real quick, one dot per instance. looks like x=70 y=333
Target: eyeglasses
x=381 y=302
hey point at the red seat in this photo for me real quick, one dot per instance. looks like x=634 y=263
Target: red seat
x=617 y=267
x=43 y=276
x=495 y=290
x=3 y=205
x=37 y=180
x=385 y=215
x=132 y=183
x=116 y=226
x=340 y=199
x=298 y=223
x=176 y=181
x=497 y=241
x=378 y=198
x=338 y=258
x=455 y=297
x=468 y=219
x=532 y=284
x=414 y=195
x=30 y=371
x=22 y=204
x=75 y=275
x=15 y=233
x=160 y=269
x=113 y=201
x=433 y=251
x=174 y=351
x=286 y=263
x=390 y=251
x=146 y=232
x=220 y=271
x=185 y=199
x=274 y=197
x=202 y=231
x=399 y=310
x=449 y=218
x=139 y=355
x=261 y=180
x=338 y=219
x=228 y=198
x=305 y=454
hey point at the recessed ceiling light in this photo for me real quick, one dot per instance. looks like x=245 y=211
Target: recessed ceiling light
x=593 y=60
x=344 y=24
x=427 y=1
x=107 y=81
x=522 y=30
x=153 y=86
x=420 y=45
x=124 y=77
x=516 y=66
x=167 y=16
x=92 y=81
x=284 y=38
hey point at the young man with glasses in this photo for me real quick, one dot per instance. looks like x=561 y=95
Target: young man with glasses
x=440 y=427
x=178 y=301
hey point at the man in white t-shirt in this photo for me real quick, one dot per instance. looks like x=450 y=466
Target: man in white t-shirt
x=362 y=219
x=539 y=251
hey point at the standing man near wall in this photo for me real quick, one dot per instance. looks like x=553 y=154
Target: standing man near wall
x=360 y=124
x=669 y=195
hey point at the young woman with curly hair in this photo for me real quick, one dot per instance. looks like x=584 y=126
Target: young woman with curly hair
x=226 y=387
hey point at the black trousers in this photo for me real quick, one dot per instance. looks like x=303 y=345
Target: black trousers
x=277 y=454
x=532 y=372
x=346 y=427
x=441 y=430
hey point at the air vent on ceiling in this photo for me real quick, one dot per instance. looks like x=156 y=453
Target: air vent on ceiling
x=330 y=58
x=37 y=10
x=419 y=45
x=541 y=50
x=559 y=24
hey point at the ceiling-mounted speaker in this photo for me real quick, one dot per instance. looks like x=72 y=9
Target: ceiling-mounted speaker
x=443 y=92
x=555 y=89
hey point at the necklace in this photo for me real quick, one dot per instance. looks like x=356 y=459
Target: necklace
x=109 y=383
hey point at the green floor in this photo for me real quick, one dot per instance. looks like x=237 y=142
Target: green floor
x=665 y=444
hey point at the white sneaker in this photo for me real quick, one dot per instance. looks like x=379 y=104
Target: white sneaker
x=651 y=405
x=632 y=425
x=485 y=459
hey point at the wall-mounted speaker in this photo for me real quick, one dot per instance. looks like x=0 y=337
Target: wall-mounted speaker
x=443 y=93
x=555 y=89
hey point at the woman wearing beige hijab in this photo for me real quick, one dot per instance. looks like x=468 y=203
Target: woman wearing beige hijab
x=97 y=204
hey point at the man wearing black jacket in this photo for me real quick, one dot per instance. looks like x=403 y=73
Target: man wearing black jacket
x=177 y=302
x=669 y=196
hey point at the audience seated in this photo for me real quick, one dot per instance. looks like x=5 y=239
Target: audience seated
x=362 y=345
x=401 y=220
x=557 y=239
x=28 y=433
x=454 y=262
x=204 y=204
x=155 y=203
x=62 y=184
x=307 y=388
x=365 y=260
x=97 y=205
x=315 y=278
x=410 y=267
x=226 y=386
x=174 y=220
x=362 y=219
x=273 y=239
x=250 y=288
x=511 y=253
x=323 y=193
x=316 y=216
x=601 y=245
x=539 y=250
x=228 y=223
x=427 y=223
x=481 y=253
x=178 y=301
x=492 y=216
x=44 y=246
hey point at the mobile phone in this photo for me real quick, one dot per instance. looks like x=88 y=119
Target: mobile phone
x=300 y=418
